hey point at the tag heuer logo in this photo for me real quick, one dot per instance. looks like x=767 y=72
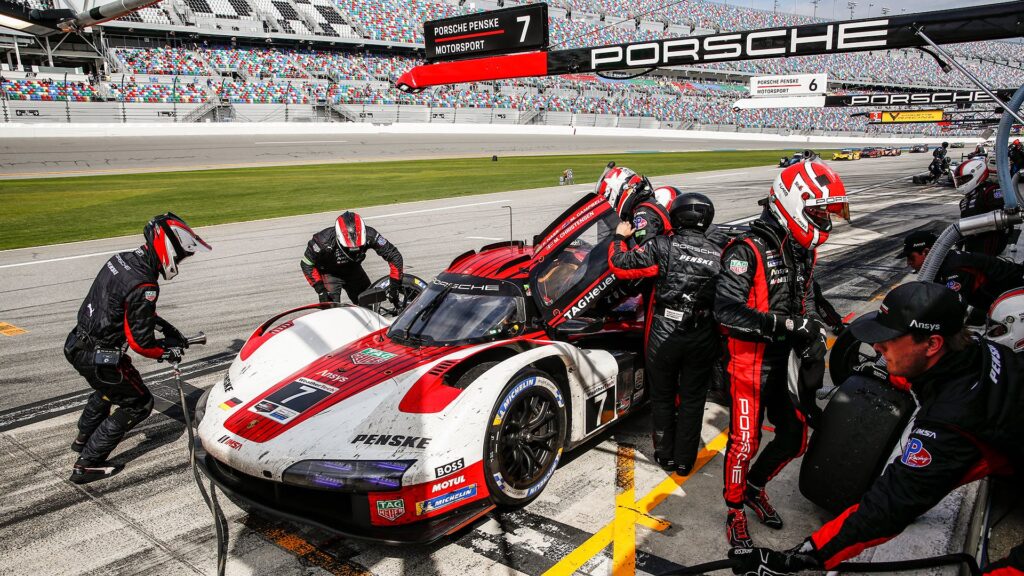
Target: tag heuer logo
x=371 y=356
x=390 y=510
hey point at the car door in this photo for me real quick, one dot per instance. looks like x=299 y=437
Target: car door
x=569 y=272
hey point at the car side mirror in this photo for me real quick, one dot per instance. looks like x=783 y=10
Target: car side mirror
x=577 y=327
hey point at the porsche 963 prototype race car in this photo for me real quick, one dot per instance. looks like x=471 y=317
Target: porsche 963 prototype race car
x=406 y=431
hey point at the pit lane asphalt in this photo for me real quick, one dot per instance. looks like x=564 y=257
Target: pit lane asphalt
x=149 y=519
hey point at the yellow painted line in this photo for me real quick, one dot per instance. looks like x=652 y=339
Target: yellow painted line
x=10 y=329
x=599 y=541
x=624 y=531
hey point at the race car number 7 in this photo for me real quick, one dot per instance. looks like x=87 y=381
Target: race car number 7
x=305 y=390
x=526 y=26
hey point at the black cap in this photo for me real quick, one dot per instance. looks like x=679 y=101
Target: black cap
x=922 y=307
x=915 y=242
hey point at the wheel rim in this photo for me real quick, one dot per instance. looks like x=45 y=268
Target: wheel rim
x=528 y=439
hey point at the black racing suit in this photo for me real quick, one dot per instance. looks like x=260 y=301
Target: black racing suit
x=329 y=269
x=765 y=279
x=681 y=340
x=939 y=162
x=119 y=312
x=979 y=279
x=969 y=426
x=985 y=198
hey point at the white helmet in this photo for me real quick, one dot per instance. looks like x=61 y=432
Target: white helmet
x=968 y=175
x=624 y=189
x=803 y=198
x=1005 y=323
x=664 y=195
x=171 y=241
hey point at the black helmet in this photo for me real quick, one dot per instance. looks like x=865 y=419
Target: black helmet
x=945 y=144
x=171 y=241
x=691 y=210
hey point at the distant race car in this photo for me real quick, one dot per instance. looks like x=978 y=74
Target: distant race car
x=407 y=431
x=891 y=151
x=957 y=145
x=846 y=154
x=871 y=153
x=794 y=159
x=918 y=148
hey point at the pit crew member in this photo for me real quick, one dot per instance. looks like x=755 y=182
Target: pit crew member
x=120 y=312
x=682 y=343
x=969 y=425
x=334 y=256
x=634 y=201
x=977 y=279
x=765 y=302
x=981 y=196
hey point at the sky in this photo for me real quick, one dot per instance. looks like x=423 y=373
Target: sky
x=863 y=9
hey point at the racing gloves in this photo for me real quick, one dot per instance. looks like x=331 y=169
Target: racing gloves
x=808 y=333
x=172 y=355
x=321 y=292
x=172 y=336
x=394 y=292
x=768 y=562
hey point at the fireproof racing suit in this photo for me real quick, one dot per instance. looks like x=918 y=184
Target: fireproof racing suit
x=329 y=269
x=979 y=279
x=680 y=329
x=118 y=312
x=650 y=220
x=969 y=426
x=985 y=198
x=765 y=279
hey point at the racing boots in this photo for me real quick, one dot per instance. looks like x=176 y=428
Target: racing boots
x=660 y=440
x=757 y=500
x=78 y=444
x=85 y=471
x=736 y=529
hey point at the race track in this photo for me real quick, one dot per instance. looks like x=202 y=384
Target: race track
x=150 y=519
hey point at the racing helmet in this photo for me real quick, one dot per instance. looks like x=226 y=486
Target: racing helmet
x=664 y=195
x=350 y=232
x=804 y=197
x=1005 y=323
x=691 y=210
x=1016 y=142
x=968 y=175
x=171 y=241
x=625 y=190
x=945 y=144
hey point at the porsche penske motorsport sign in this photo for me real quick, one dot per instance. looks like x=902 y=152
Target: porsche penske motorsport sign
x=791 y=84
x=515 y=29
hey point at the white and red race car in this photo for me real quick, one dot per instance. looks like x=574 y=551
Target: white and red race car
x=407 y=431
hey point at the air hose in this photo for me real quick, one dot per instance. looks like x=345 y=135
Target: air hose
x=867 y=567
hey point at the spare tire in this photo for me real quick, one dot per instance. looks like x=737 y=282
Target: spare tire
x=857 y=432
x=846 y=354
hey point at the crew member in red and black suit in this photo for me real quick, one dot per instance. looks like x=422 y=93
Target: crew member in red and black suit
x=765 y=303
x=120 y=313
x=968 y=426
x=334 y=256
x=681 y=341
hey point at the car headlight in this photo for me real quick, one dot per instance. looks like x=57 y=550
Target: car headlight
x=348 y=475
x=201 y=407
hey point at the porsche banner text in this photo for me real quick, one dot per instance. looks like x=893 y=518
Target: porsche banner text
x=515 y=29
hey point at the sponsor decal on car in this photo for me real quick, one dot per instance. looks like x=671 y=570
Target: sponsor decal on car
x=738 y=266
x=391 y=440
x=390 y=510
x=230 y=442
x=371 y=356
x=230 y=403
x=449 y=468
x=445 y=500
x=298 y=396
x=507 y=402
x=449 y=483
x=589 y=297
x=282 y=414
x=333 y=376
x=915 y=454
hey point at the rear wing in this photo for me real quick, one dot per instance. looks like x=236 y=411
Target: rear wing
x=975 y=23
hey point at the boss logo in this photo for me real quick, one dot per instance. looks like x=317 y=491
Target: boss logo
x=449 y=468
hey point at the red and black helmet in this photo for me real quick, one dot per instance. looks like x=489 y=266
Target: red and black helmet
x=351 y=232
x=803 y=199
x=625 y=190
x=171 y=241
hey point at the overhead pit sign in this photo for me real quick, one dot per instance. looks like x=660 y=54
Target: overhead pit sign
x=793 y=84
x=515 y=29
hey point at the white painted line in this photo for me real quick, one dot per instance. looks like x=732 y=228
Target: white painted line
x=719 y=175
x=481 y=238
x=109 y=252
x=64 y=258
x=303 y=142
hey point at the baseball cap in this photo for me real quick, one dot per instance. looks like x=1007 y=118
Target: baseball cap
x=916 y=241
x=922 y=307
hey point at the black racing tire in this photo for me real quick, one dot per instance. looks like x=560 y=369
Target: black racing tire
x=524 y=439
x=847 y=353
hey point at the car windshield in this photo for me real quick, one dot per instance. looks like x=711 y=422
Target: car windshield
x=458 y=309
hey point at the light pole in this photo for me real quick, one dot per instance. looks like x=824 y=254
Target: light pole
x=885 y=11
x=870 y=6
x=851 y=6
x=815 y=4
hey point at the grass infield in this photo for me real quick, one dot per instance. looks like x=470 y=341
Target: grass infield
x=53 y=210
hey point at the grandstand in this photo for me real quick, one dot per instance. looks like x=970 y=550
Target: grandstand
x=337 y=59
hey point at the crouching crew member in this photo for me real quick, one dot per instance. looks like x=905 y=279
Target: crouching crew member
x=334 y=256
x=969 y=425
x=765 y=302
x=120 y=312
x=681 y=341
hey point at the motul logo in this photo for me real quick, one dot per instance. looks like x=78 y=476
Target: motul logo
x=449 y=483
x=743 y=45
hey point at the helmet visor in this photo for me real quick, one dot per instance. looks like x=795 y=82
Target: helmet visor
x=959 y=181
x=819 y=217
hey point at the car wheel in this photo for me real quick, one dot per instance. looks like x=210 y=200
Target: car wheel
x=525 y=436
